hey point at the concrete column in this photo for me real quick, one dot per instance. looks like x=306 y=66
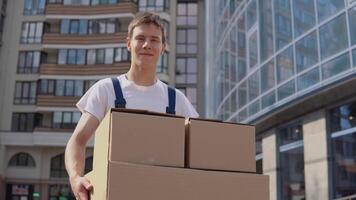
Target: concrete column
x=315 y=156
x=2 y=167
x=44 y=191
x=269 y=145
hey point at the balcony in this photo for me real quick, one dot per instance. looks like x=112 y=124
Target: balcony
x=57 y=38
x=57 y=101
x=85 y=70
x=122 y=7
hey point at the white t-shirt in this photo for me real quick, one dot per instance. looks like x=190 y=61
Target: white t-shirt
x=101 y=97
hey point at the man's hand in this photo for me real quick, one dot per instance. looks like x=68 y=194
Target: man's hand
x=81 y=187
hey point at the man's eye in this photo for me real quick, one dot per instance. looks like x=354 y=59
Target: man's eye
x=140 y=39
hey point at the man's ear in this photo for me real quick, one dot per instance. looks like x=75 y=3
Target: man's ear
x=163 y=48
x=128 y=43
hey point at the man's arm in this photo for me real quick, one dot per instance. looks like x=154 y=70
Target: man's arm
x=75 y=155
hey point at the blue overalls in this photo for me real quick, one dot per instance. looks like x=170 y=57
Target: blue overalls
x=120 y=101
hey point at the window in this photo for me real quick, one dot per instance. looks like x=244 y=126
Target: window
x=308 y=79
x=265 y=29
x=76 y=2
x=57 y=167
x=31 y=32
x=60 y=192
x=304 y=16
x=306 y=52
x=335 y=66
x=24 y=122
x=268 y=100
x=71 y=56
x=187 y=14
x=28 y=62
x=187 y=41
x=327 y=8
x=22 y=160
x=121 y=54
x=286 y=90
x=352 y=19
x=74 y=88
x=104 y=26
x=267 y=76
x=69 y=88
x=186 y=70
x=103 y=2
x=70 y=26
x=191 y=94
x=154 y=5
x=333 y=37
x=34 y=7
x=291 y=162
x=252 y=45
x=283 y=23
x=254 y=86
x=65 y=120
x=242 y=94
x=46 y=86
x=285 y=67
x=343 y=141
x=25 y=92
x=162 y=65
x=251 y=14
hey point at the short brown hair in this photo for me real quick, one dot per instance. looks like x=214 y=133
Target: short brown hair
x=147 y=18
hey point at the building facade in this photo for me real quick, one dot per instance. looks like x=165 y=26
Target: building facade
x=52 y=52
x=289 y=68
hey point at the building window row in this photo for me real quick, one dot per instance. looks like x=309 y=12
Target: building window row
x=93 y=56
x=154 y=5
x=85 y=27
x=74 y=88
x=88 y=2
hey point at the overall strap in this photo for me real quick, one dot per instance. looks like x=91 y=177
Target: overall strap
x=171 y=108
x=120 y=102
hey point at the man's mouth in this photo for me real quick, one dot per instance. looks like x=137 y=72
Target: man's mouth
x=146 y=54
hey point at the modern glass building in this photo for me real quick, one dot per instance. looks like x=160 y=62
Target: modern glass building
x=289 y=67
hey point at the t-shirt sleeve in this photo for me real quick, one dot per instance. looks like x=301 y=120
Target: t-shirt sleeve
x=94 y=101
x=184 y=107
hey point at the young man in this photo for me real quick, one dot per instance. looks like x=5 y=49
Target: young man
x=139 y=88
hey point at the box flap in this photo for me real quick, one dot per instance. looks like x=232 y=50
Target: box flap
x=145 y=112
x=219 y=121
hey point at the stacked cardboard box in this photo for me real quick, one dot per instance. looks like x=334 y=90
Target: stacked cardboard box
x=152 y=156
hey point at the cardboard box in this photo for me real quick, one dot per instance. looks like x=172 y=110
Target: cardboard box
x=220 y=146
x=140 y=137
x=137 y=182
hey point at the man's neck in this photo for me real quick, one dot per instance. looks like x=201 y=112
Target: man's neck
x=141 y=76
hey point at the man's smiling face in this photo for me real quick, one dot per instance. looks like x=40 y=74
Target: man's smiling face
x=146 y=45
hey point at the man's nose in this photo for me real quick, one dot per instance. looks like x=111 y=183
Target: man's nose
x=147 y=44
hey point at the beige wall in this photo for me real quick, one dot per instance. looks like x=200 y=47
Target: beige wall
x=315 y=156
x=269 y=144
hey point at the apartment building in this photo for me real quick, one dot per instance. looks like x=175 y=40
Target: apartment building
x=52 y=52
